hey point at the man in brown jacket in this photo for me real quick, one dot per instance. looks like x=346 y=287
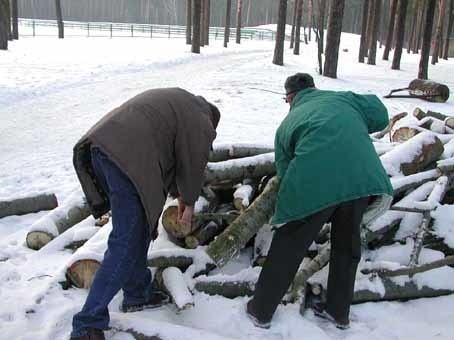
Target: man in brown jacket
x=154 y=144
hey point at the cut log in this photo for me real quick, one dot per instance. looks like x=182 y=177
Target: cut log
x=171 y=225
x=82 y=272
x=413 y=155
x=244 y=194
x=392 y=122
x=237 y=234
x=225 y=152
x=420 y=114
x=432 y=91
x=262 y=244
x=236 y=170
x=403 y=134
x=27 y=205
x=175 y=285
x=446 y=166
x=449 y=122
x=406 y=183
x=181 y=262
x=230 y=290
x=204 y=235
x=72 y=211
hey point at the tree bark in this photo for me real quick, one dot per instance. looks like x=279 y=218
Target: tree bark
x=61 y=27
x=448 y=30
x=427 y=36
x=420 y=114
x=15 y=16
x=278 y=58
x=439 y=31
x=321 y=23
x=400 y=33
x=228 y=11
x=389 y=36
x=413 y=25
x=333 y=38
x=299 y=15
x=292 y=34
x=363 y=41
x=189 y=22
x=238 y=21
x=204 y=235
x=196 y=26
x=202 y=22
x=4 y=20
x=438 y=93
x=374 y=33
x=207 y=17
x=232 y=151
x=28 y=205
x=235 y=237
x=422 y=21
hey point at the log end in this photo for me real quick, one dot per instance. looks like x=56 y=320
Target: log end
x=81 y=273
x=37 y=239
x=170 y=224
x=403 y=134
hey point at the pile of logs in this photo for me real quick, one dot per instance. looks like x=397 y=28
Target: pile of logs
x=237 y=201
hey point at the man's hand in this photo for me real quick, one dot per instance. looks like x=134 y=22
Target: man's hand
x=185 y=213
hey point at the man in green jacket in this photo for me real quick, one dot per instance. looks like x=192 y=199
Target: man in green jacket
x=328 y=171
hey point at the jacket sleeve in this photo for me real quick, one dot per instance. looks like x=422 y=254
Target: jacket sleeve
x=192 y=146
x=282 y=158
x=374 y=111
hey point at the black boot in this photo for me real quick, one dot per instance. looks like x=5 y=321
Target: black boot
x=157 y=299
x=92 y=334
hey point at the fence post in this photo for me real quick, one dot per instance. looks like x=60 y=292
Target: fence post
x=216 y=34
x=33 y=25
x=88 y=29
x=111 y=29
x=169 y=31
x=132 y=30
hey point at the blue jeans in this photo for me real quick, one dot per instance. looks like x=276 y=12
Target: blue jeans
x=125 y=261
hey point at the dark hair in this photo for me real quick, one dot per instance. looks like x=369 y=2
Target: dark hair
x=298 y=82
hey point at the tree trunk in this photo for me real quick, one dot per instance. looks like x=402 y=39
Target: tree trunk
x=235 y=237
x=400 y=33
x=299 y=16
x=413 y=25
x=422 y=21
x=321 y=23
x=202 y=23
x=429 y=150
x=439 y=31
x=204 y=235
x=370 y=24
x=174 y=283
x=363 y=41
x=418 y=29
x=196 y=26
x=292 y=34
x=333 y=38
x=207 y=21
x=278 y=58
x=427 y=36
x=238 y=169
x=448 y=31
x=225 y=152
x=389 y=36
x=238 y=20
x=227 y=22
x=15 y=15
x=28 y=205
x=188 y=22
x=4 y=30
x=374 y=33
x=61 y=27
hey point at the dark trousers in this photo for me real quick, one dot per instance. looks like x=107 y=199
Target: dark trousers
x=125 y=261
x=290 y=245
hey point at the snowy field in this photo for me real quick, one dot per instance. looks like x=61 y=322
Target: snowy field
x=52 y=91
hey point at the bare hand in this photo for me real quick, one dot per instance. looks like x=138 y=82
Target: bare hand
x=185 y=213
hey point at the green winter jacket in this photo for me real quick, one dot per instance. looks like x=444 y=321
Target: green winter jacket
x=324 y=155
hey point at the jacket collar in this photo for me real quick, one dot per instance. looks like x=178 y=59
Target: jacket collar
x=301 y=96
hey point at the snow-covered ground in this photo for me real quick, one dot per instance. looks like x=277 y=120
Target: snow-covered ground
x=52 y=91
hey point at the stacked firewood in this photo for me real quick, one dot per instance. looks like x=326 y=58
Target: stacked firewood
x=237 y=201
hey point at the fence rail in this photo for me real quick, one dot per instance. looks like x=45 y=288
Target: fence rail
x=110 y=29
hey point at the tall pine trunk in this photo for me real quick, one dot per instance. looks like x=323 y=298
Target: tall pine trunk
x=363 y=41
x=15 y=15
x=202 y=23
x=196 y=26
x=400 y=33
x=188 y=22
x=299 y=15
x=390 y=35
x=448 y=31
x=228 y=11
x=321 y=23
x=238 y=20
x=278 y=58
x=61 y=27
x=336 y=15
x=4 y=30
x=374 y=33
x=419 y=26
x=439 y=32
x=414 y=23
x=427 y=36
x=295 y=13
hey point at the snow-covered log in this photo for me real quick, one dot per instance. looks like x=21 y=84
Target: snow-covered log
x=406 y=183
x=225 y=152
x=27 y=205
x=240 y=231
x=392 y=122
x=244 y=193
x=420 y=114
x=404 y=133
x=238 y=169
x=413 y=155
x=175 y=285
x=72 y=211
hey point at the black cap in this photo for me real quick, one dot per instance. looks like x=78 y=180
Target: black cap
x=298 y=82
